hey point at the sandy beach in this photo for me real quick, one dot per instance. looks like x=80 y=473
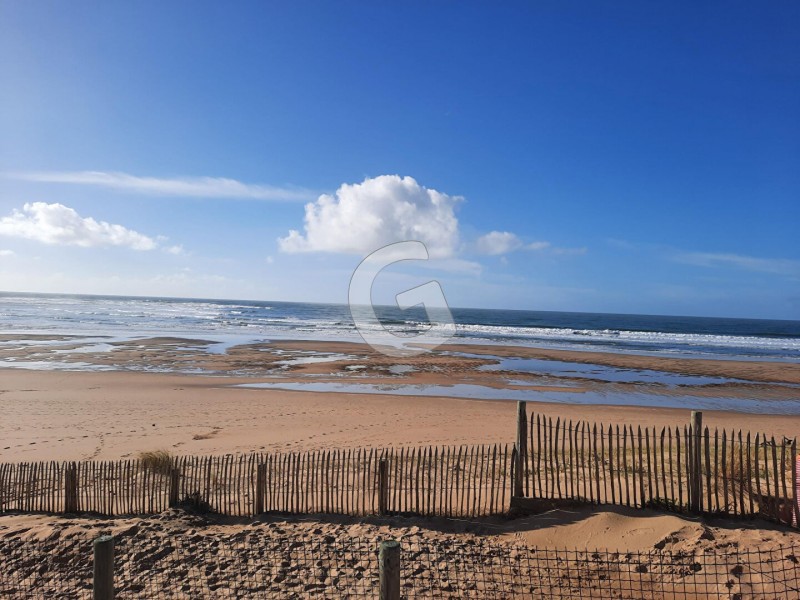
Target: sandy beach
x=85 y=414
x=115 y=405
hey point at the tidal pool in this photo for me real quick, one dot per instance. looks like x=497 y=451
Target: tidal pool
x=481 y=392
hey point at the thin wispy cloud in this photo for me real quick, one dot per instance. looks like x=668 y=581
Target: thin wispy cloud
x=775 y=266
x=495 y=243
x=177 y=250
x=538 y=246
x=499 y=243
x=190 y=187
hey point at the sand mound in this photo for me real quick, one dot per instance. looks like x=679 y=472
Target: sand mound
x=611 y=529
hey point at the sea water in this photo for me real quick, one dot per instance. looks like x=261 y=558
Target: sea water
x=228 y=322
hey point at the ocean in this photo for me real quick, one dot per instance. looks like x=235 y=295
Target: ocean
x=234 y=321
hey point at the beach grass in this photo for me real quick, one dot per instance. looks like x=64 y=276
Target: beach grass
x=157 y=461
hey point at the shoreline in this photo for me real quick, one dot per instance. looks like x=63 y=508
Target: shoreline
x=75 y=346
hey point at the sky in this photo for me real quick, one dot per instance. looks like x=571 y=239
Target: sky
x=622 y=157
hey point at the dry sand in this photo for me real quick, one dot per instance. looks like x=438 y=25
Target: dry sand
x=81 y=416
x=612 y=528
x=180 y=554
x=69 y=415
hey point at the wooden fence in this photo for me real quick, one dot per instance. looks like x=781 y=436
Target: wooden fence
x=684 y=469
x=688 y=468
x=445 y=481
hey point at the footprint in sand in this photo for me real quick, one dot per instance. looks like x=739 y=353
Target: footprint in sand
x=96 y=453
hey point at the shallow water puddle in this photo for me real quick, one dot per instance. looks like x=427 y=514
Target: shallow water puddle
x=316 y=358
x=557 y=368
x=480 y=392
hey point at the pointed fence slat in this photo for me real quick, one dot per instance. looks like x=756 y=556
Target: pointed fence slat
x=740 y=474
x=602 y=464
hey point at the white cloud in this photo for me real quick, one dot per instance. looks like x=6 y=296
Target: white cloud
x=177 y=250
x=538 y=246
x=498 y=242
x=362 y=217
x=195 y=187
x=57 y=224
x=7 y=253
x=776 y=266
x=555 y=250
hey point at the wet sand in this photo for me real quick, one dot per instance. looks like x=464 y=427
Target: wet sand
x=64 y=415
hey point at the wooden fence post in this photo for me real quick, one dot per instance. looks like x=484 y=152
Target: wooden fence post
x=71 y=488
x=258 y=503
x=383 y=486
x=103 y=583
x=522 y=448
x=389 y=562
x=795 y=467
x=174 y=481
x=696 y=466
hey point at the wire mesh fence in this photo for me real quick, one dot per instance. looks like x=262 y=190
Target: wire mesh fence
x=490 y=572
x=198 y=566
x=254 y=564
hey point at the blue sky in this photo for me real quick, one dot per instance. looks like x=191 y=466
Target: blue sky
x=598 y=156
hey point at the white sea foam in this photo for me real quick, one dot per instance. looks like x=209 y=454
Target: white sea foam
x=643 y=337
x=204 y=319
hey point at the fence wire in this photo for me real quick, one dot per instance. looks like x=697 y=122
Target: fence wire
x=255 y=564
x=517 y=572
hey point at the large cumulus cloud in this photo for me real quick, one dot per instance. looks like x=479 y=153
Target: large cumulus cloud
x=360 y=218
